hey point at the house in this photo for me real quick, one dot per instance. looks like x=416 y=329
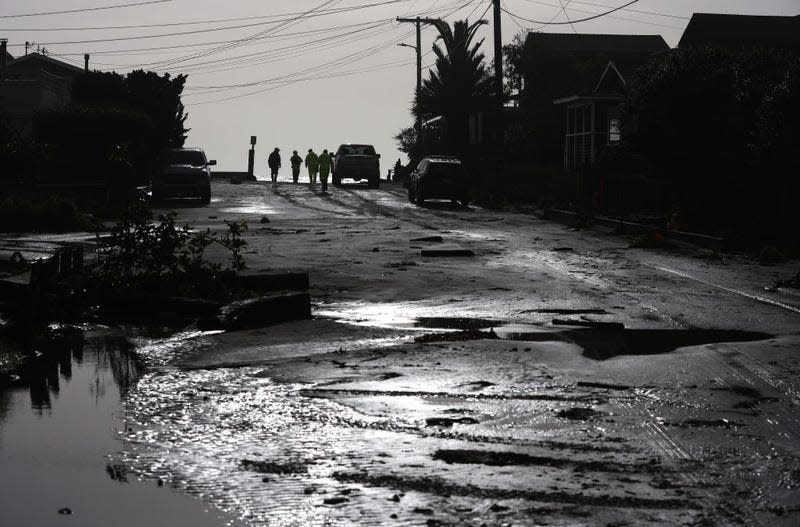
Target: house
x=741 y=31
x=593 y=120
x=31 y=83
x=584 y=73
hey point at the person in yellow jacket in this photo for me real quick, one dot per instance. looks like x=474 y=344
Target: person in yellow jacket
x=312 y=162
x=325 y=166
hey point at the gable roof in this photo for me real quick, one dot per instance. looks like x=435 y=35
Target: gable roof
x=47 y=63
x=610 y=78
x=598 y=43
x=725 y=30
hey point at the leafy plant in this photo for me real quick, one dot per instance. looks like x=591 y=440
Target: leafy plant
x=141 y=255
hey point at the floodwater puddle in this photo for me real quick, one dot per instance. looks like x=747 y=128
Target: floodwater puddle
x=599 y=343
x=60 y=420
x=607 y=343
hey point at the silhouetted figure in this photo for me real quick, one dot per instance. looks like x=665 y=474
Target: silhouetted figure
x=312 y=162
x=397 y=168
x=296 y=161
x=274 y=162
x=325 y=164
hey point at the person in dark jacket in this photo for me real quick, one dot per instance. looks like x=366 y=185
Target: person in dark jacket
x=296 y=162
x=274 y=162
x=312 y=162
x=325 y=163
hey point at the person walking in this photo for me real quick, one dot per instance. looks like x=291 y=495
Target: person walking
x=296 y=161
x=312 y=162
x=325 y=165
x=274 y=162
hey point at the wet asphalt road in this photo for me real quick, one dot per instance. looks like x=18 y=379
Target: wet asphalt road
x=439 y=390
x=398 y=404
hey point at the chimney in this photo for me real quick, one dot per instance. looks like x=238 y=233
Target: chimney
x=86 y=62
x=3 y=58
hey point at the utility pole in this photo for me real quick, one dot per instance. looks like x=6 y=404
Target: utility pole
x=499 y=125
x=418 y=21
x=498 y=54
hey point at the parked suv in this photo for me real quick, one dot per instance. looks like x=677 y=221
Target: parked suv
x=183 y=173
x=439 y=177
x=357 y=162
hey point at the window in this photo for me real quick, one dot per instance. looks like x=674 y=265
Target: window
x=614 y=130
x=185 y=157
x=357 y=150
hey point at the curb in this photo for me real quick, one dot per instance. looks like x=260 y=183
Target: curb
x=630 y=227
x=259 y=312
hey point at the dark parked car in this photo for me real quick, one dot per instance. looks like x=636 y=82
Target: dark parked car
x=439 y=177
x=183 y=173
x=357 y=162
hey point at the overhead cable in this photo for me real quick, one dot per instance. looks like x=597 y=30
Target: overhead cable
x=586 y=19
x=322 y=12
x=85 y=9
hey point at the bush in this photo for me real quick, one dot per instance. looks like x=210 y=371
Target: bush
x=141 y=256
x=701 y=116
x=517 y=184
x=20 y=213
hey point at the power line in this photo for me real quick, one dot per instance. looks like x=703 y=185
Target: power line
x=654 y=13
x=598 y=15
x=211 y=43
x=566 y=15
x=275 y=55
x=249 y=38
x=102 y=8
x=208 y=30
x=318 y=71
x=209 y=21
x=638 y=21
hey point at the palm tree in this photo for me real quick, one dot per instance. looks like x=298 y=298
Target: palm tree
x=459 y=84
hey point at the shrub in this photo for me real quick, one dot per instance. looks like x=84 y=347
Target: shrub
x=21 y=213
x=140 y=256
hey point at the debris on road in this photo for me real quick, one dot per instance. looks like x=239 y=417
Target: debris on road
x=446 y=250
x=588 y=324
x=431 y=239
x=579 y=414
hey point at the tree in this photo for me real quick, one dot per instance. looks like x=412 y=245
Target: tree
x=407 y=141
x=458 y=84
x=125 y=119
x=701 y=114
x=156 y=96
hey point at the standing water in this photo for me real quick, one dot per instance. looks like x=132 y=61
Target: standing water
x=59 y=432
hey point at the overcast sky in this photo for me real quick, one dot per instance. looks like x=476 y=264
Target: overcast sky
x=317 y=80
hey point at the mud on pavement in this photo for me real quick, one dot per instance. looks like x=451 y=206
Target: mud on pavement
x=413 y=433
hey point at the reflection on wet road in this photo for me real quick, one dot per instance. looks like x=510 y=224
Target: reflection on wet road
x=58 y=433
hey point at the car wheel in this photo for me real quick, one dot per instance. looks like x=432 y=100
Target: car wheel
x=420 y=196
x=205 y=197
x=374 y=182
x=337 y=181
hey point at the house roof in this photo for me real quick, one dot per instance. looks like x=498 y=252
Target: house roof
x=725 y=30
x=48 y=63
x=611 y=79
x=599 y=43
